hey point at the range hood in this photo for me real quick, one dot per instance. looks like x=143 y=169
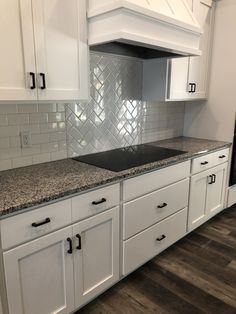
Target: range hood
x=143 y=28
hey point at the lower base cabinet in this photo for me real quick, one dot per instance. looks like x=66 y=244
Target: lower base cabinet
x=61 y=271
x=207 y=194
x=39 y=276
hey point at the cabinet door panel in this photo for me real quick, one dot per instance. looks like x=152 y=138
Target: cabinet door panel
x=178 y=79
x=96 y=265
x=61 y=48
x=216 y=191
x=17 y=50
x=198 y=65
x=197 y=200
x=39 y=276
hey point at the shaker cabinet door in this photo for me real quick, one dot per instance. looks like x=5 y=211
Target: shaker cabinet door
x=17 y=62
x=96 y=255
x=61 y=49
x=39 y=276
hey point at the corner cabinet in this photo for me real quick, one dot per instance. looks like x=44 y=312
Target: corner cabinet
x=44 y=53
x=183 y=78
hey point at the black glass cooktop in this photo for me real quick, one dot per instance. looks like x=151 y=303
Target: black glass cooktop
x=128 y=157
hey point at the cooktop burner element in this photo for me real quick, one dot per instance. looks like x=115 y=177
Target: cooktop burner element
x=128 y=157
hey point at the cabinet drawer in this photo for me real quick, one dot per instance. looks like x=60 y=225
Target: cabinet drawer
x=145 y=245
x=153 y=207
x=154 y=180
x=210 y=160
x=94 y=202
x=35 y=223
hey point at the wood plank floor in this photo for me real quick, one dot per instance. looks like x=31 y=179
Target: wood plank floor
x=195 y=275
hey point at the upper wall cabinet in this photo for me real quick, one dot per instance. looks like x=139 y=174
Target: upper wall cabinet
x=44 y=53
x=183 y=78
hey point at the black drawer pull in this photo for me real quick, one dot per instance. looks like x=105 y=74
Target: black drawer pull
x=42 y=75
x=38 y=224
x=70 y=251
x=161 y=238
x=79 y=246
x=162 y=206
x=33 y=86
x=103 y=200
x=222 y=156
x=204 y=163
x=213 y=178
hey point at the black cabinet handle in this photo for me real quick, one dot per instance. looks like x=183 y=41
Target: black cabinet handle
x=204 y=163
x=194 y=87
x=33 y=86
x=222 y=156
x=70 y=251
x=213 y=178
x=161 y=238
x=162 y=206
x=38 y=224
x=103 y=200
x=42 y=75
x=191 y=88
x=79 y=246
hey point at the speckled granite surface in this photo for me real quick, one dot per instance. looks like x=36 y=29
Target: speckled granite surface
x=31 y=186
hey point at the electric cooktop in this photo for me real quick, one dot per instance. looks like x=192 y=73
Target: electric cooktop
x=128 y=157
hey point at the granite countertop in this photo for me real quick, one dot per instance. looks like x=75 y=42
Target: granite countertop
x=31 y=186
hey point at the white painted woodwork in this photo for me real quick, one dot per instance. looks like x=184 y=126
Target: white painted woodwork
x=96 y=265
x=82 y=206
x=17 y=50
x=206 y=199
x=169 y=25
x=48 y=37
x=61 y=48
x=59 y=214
x=212 y=159
x=154 y=180
x=231 y=196
x=214 y=119
x=144 y=246
x=143 y=212
x=39 y=276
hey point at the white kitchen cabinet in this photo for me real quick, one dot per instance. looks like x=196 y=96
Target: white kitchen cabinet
x=44 y=50
x=96 y=258
x=207 y=192
x=186 y=78
x=39 y=275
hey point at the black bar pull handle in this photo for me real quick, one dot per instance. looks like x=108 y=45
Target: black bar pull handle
x=33 y=86
x=204 y=163
x=79 y=246
x=211 y=179
x=102 y=200
x=38 y=224
x=161 y=238
x=222 y=156
x=194 y=87
x=70 y=251
x=162 y=205
x=42 y=75
x=191 y=88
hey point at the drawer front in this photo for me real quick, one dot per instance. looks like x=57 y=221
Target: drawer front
x=154 y=180
x=153 y=207
x=94 y=202
x=147 y=244
x=210 y=160
x=35 y=223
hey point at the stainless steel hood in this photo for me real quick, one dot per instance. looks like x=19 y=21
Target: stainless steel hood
x=143 y=28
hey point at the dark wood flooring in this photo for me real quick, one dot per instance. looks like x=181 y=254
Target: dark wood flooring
x=195 y=275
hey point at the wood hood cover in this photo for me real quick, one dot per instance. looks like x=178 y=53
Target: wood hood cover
x=147 y=28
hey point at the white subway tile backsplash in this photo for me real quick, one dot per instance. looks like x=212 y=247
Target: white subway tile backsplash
x=5 y=164
x=18 y=119
x=38 y=118
x=40 y=158
x=11 y=130
x=27 y=108
x=4 y=142
x=49 y=147
x=47 y=108
x=3 y=120
x=56 y=116
x=22 y=161
x=40 y=138
x=8 y=108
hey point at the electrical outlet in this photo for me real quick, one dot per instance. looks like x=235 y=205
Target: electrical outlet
x=25 y=138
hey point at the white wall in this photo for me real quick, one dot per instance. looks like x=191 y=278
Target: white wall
x=214 y=119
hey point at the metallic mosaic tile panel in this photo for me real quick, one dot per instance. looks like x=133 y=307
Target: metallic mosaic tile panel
x=116 y=116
